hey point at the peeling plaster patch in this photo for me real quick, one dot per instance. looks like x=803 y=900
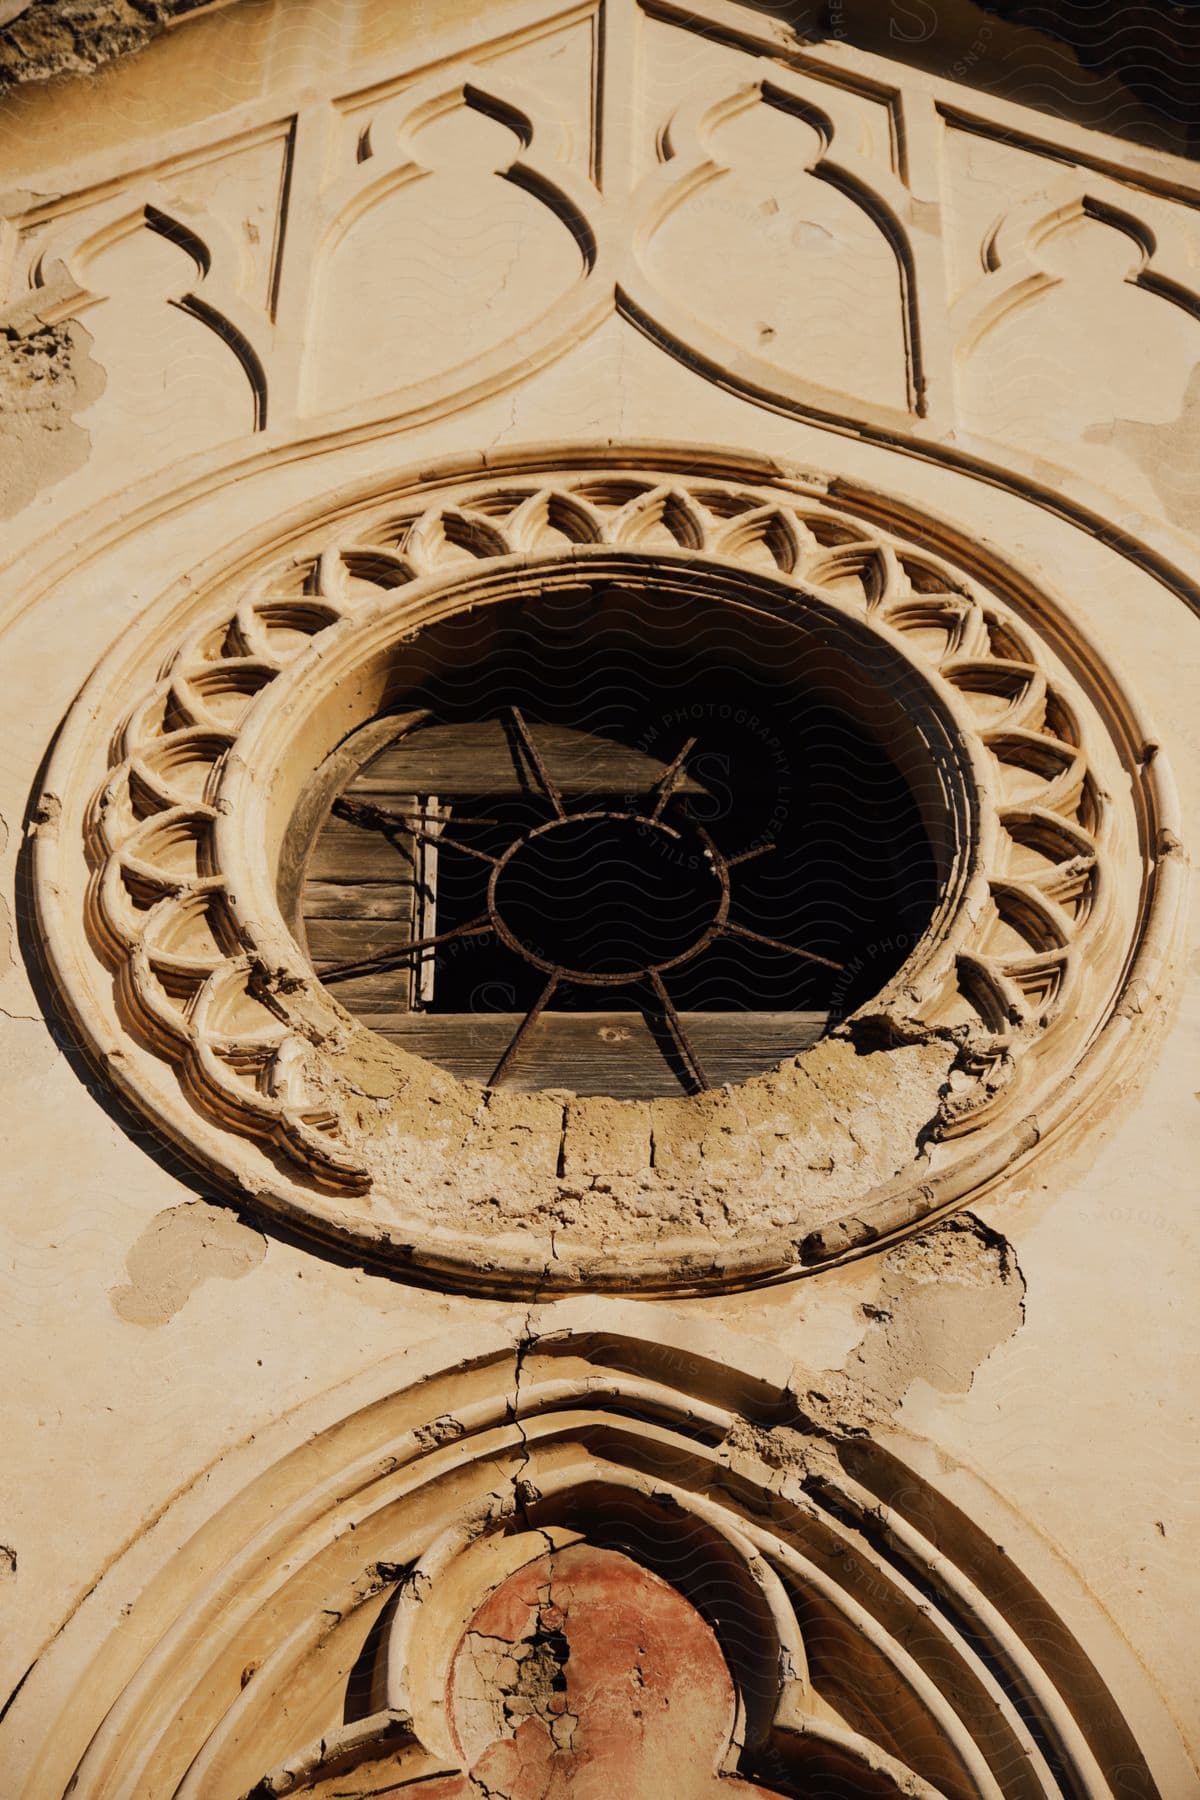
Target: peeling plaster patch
x=178 y=1251
x=1168 y=455
x=791 y=1454
x=8 y=1561
x=445 y=1429
x=521 y=1679
x=946 y=1300
x=46 y=376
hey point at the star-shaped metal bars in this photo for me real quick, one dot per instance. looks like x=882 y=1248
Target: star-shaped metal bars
x=418 y=824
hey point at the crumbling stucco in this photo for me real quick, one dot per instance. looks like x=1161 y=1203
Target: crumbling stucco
x=1032 y=1454
x=178 y=1251
x=903 y=1109
x=47 y=375
x=590 y=1172
x=44 y=38
x=521 y=1679
x=946 y=1300
x=585 y=1672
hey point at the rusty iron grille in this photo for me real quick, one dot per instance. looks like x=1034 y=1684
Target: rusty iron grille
x=664 y=821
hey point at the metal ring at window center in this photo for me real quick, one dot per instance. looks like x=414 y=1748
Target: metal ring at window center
x=713 y=863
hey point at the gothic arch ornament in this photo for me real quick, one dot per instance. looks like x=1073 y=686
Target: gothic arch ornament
x=1012 y=272
x=170 y=794
x=690 y=162
x=61 y=276
x=401 y=1583
x=390 y=159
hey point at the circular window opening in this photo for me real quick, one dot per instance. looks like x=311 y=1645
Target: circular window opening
x=619 y=848
x=600 y=898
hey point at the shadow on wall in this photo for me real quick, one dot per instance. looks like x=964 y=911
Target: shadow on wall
x=1130 y=67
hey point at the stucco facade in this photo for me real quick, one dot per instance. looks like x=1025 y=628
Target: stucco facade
x=828 y=1430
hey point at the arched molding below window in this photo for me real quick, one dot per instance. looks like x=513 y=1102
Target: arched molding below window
x=297 y=1621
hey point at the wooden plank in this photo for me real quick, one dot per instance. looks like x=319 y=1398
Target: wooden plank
x=363 y=898
x=358 y=900
x=350 y=853
x=615 y=1054
x=375 y=997
x=339 y=940
x=483 y=758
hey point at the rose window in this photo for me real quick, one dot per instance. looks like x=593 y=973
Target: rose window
x=607 y=876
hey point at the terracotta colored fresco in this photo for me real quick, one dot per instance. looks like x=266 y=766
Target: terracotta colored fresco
x=584 y=1675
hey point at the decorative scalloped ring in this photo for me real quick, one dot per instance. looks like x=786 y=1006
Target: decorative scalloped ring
x=158 y=864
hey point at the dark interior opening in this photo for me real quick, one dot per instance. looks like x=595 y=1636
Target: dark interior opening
x=716 y=828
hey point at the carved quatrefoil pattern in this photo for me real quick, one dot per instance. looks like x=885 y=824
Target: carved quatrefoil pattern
x=197 y=992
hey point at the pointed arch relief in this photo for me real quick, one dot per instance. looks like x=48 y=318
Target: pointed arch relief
x=461 y=192
x=1087 y=312
x=596 y=1561
x=760 y=178
x=184 y=353
x=187 y=786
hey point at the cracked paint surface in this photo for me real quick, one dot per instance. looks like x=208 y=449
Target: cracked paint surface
x=584 y=1675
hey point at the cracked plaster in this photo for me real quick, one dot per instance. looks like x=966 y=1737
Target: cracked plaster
x=928 y=1333
x=44 y=39
x=641 y=1174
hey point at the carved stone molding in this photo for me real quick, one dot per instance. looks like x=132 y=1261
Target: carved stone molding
x=333 y=1624
x=169 y=801
x=623 y=184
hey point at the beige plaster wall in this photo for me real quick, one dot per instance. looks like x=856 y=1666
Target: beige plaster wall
x=1042 y=1349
